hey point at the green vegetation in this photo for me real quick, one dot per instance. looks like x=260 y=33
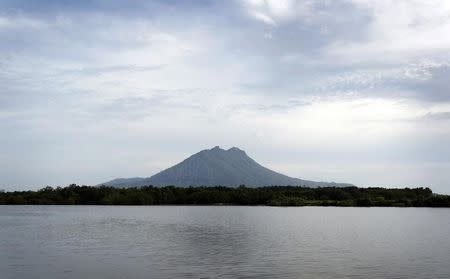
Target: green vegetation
x=274 y=196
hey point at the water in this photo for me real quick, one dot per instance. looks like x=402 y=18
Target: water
x=223 y=242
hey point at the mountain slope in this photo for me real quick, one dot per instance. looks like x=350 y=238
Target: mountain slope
x=125 y=182
x=217 y=166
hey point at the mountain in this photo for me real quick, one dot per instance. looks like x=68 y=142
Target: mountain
x=216 y=166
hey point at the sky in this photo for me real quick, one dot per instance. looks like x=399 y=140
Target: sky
x=351 y=91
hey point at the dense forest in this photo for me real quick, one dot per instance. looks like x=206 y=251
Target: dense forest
x=273 y=196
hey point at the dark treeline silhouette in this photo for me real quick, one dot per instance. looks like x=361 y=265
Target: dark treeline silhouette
x=273 y=195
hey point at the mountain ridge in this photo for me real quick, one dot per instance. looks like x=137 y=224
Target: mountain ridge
x=217 y=166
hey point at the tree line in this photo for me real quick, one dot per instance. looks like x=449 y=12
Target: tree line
x=273 y=196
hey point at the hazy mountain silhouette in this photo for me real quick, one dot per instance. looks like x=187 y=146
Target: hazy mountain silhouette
x=217 y=166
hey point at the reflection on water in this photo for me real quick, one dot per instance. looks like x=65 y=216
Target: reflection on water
x=223 y=242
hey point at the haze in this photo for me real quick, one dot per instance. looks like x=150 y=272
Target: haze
x=348 y=90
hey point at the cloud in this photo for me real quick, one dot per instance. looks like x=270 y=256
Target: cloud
x=398 y=31
x=10 y=23
x=437 y=116
x=423 y=79
x=278 y=11
x=114 y=69
x=263 y=17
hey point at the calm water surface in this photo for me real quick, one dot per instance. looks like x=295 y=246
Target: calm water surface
x=223 y=242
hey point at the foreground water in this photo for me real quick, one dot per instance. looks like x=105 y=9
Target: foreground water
x=223 y=242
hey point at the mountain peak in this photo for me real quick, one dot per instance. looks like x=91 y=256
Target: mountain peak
x=232 y=149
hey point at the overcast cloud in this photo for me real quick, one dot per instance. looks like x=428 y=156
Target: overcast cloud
x=349 y=90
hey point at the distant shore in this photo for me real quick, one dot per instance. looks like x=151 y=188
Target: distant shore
x=271 y=196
